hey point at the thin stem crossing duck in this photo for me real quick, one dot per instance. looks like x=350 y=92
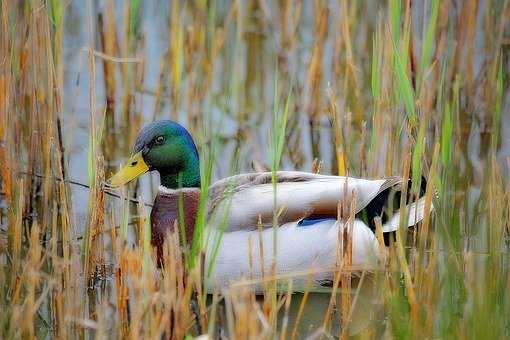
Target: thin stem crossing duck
x=241 y=241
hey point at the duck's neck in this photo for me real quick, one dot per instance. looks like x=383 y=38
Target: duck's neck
x=186 y=176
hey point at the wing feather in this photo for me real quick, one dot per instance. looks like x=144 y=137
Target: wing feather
x=248 y=200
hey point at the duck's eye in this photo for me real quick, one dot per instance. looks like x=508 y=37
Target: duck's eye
x=159 y=140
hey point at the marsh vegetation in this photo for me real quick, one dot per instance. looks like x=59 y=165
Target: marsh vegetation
x=359 y=88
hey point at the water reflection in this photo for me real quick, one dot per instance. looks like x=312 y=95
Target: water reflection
x=366 y=313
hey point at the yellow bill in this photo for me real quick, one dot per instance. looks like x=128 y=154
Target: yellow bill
x=134 y=168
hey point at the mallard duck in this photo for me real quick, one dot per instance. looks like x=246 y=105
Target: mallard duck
x=240 y=211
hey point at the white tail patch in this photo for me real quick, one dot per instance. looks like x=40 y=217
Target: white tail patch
x=415 y=213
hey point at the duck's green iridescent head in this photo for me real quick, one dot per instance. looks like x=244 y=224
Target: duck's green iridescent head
x=167 y=147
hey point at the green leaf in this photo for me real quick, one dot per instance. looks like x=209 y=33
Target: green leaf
x=446 y=136
x=428 y=39
x=395 y=14
x=404 y=85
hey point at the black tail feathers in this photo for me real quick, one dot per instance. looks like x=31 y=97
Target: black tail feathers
x=386 y=203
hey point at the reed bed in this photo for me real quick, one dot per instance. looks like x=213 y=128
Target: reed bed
x=359 y=88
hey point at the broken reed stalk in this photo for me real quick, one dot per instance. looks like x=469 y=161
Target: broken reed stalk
x=400 y=234
x=339 y=142
x=285 y=321
x=302 y=305
x=343 y=273
x=346 y=278
x=424 y=228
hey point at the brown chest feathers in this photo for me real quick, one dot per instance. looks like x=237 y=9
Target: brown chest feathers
x=165 y=215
